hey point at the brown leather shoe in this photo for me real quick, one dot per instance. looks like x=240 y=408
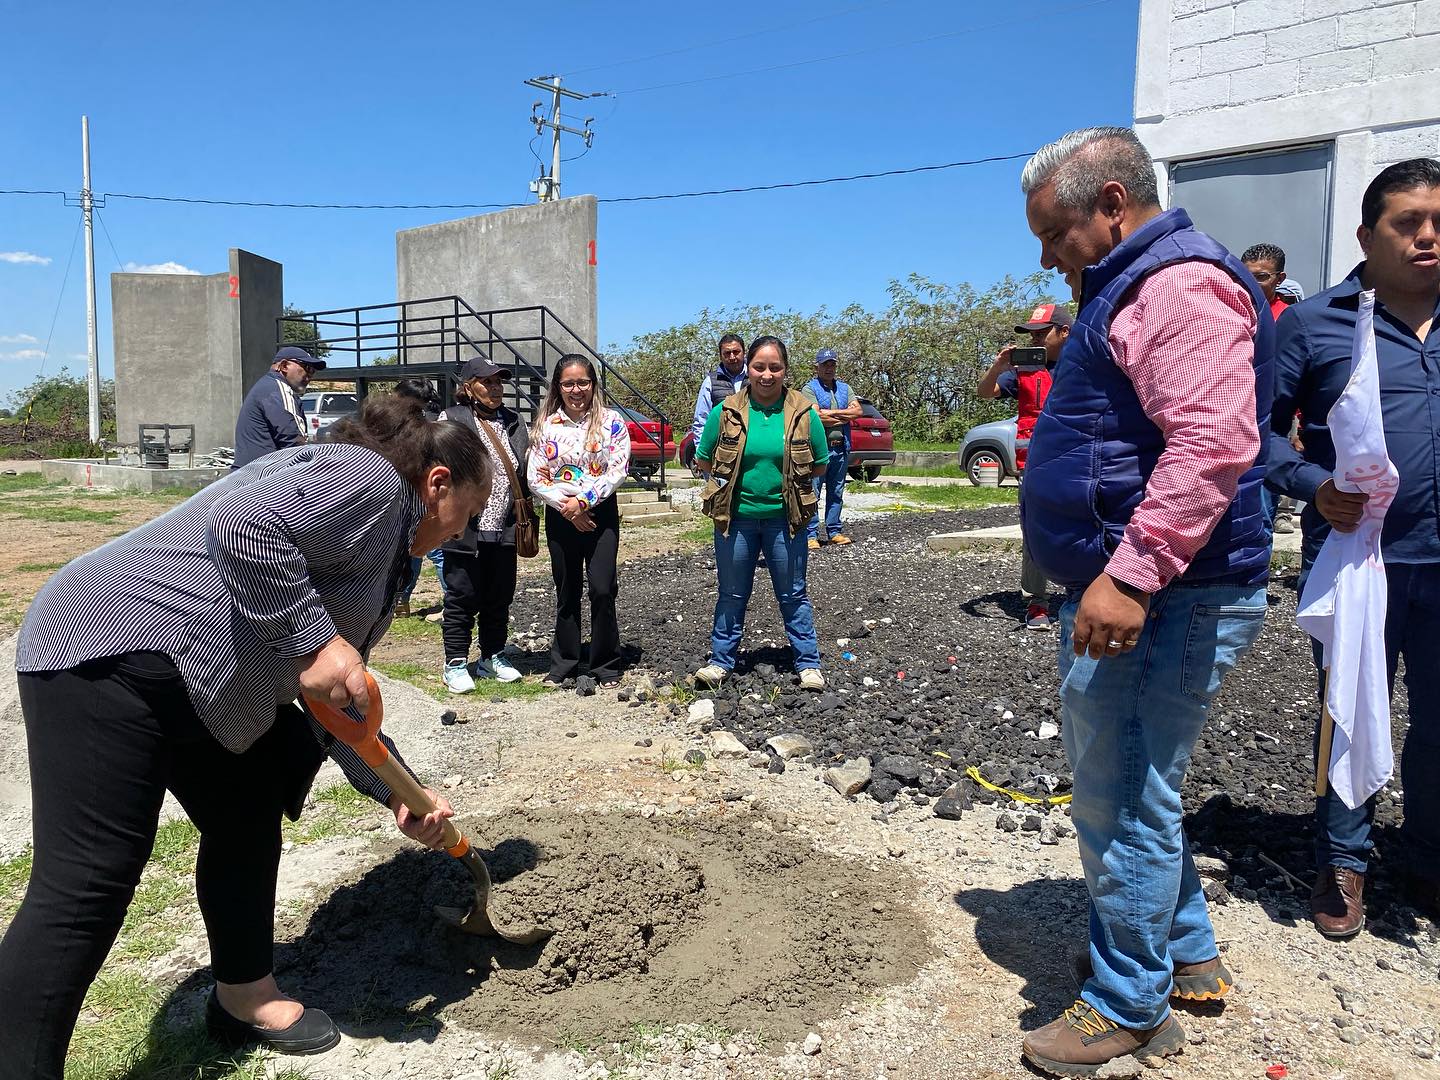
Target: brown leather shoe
x=1082 y=1040
x=1209 y=980
x=1337 y=902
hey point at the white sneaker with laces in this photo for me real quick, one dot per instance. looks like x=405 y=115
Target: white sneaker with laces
x=811 y=679
x=713 y=674
x=457 y=677
x=497 y=667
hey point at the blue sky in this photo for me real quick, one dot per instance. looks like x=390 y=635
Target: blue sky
x=370 y=102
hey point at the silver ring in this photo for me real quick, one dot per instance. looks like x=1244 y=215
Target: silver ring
x=1116 y=644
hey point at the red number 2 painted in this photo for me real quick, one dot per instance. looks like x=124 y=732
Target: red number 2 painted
x=234 y=287
x=591 y=246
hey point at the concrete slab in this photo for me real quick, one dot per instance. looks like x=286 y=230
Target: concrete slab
x=1007 y=538
x=94 y=473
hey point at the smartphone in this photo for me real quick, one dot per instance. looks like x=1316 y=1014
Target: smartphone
x=1030 y=358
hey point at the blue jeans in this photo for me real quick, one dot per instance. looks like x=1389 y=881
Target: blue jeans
x=832 y=484
x=1412 y=629
x=438 y=558
x=735 y=559
x=1130 y=723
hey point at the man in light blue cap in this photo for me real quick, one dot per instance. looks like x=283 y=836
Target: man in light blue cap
x=837 y=405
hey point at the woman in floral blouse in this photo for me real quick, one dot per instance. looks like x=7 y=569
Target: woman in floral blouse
x=579 y=454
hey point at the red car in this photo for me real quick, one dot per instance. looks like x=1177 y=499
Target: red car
x=649 y=439
x=872 y=444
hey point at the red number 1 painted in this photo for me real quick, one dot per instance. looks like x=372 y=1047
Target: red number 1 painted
x=591 y=246
x=234 y=287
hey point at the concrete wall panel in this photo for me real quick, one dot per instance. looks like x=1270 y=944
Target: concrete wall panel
x=514 y=258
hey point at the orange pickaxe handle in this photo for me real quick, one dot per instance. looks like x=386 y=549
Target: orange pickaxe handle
x=363 y=738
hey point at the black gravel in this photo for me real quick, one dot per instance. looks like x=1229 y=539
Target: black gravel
x=957 y=681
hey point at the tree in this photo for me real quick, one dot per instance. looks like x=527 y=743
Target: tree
x=62 y=402
x=302 y=333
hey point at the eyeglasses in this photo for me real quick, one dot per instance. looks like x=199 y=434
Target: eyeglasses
x=1261 y=276
x=580 y=384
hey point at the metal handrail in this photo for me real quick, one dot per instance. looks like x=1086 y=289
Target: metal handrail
x=452 y=336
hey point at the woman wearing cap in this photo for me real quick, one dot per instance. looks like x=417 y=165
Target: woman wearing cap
x=579 y=455
x=157 y=660
x=761 y=449
x=481 y=565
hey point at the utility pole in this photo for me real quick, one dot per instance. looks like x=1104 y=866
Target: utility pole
x=547 y=188
x=87 y=209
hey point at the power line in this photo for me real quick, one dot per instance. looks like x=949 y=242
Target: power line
x=610 y=199
x=862 y=52
x=308 y=206
x=106 y=229
x=729 y=40
x=817 y=183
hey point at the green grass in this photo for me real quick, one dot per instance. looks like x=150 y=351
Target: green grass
x=426 y=677
x=924 y=445
x=952 y=469
x=26 y=481
x=702 y=532
x=14 y=875
x=52 y=513
x=413 y=629
x=952 y=496
x=38 y=567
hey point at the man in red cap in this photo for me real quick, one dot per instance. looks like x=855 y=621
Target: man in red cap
x=1048 y=327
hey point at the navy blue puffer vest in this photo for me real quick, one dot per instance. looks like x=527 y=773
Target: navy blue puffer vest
x=1093 y=448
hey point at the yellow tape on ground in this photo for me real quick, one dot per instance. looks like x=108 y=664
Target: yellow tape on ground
x=1019 y=796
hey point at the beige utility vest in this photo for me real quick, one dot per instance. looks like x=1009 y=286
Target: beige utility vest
x=798 y=467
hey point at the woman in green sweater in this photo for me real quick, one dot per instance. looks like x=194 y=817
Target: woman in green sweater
x=759 y=451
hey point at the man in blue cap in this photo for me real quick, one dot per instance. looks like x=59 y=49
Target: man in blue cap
x=271 y=418
x=837 y=405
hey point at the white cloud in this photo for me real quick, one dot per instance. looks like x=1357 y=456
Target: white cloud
x=24 y=354
x=24 y=257
x=158 y=268
x=18 y=339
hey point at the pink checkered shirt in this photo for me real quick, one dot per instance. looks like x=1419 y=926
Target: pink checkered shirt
x=1185 y=338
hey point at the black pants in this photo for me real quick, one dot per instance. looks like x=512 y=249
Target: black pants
x=106 y=739
x=574 y=558
x=478 y=588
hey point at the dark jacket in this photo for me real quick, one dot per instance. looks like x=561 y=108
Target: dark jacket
x=1093 y=448
x=266 y=422
x=519 y=435
x=1312 y=366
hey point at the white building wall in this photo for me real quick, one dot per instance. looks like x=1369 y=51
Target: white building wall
x=1216 y=77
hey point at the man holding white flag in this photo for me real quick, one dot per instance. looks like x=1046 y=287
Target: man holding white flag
x=1365 y=376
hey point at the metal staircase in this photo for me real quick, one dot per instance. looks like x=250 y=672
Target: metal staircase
x=433 y=337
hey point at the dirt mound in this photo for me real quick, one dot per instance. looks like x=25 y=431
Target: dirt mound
x=732 y=921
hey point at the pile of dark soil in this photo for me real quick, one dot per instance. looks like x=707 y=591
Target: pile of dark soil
x=733 y=921
x=944 y=676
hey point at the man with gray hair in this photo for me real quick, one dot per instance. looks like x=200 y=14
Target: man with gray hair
x=1142 y=499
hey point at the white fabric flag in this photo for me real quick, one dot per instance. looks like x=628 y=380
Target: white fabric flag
x=1345 y=599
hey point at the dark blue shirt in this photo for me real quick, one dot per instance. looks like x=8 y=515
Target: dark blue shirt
x=270 y=419
x=1312 y=366
x=1008 y=384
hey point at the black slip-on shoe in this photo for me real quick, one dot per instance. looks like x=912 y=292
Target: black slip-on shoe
x=313 y=1033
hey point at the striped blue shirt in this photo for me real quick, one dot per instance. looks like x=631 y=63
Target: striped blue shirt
x=240 y=583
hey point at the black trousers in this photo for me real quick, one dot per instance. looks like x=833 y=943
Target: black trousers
x=478 y=588
x=574 y=558
x=106 y=739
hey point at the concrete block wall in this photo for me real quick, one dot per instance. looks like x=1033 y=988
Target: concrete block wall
x=1243 y=51
x=188 y=346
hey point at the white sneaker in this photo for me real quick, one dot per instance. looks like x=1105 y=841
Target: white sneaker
x=811 y=679
x=712 y=674
x=497 y=667
x=457 y=677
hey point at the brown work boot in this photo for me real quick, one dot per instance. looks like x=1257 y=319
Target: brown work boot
x=1337 y=902
x=1209 y=980
x=1082 y=1040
